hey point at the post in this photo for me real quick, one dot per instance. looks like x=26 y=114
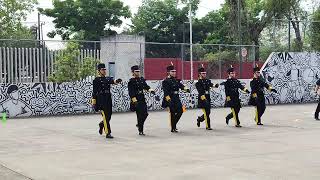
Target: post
x=220 y=64
x=1 y=60
x=182 y=49
x=274 y=33
x=182 y=61
x=191 y=53
x=141 y=63
x=39 y=32
x=239 y=34
x=289 y=34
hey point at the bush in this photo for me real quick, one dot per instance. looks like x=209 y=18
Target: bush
x=68 y=68
x=226 y=55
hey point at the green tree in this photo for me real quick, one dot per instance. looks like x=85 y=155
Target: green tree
x=14 y=37
x=87 y=19
x=12 y=12
x=256 y=15
x=315 y=30
x=214 y=28
x=68 y=68
x=161 y=20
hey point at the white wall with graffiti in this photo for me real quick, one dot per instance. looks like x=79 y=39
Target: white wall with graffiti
x=292 y=74
x=37 y=99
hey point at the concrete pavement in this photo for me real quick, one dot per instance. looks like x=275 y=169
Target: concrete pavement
x=69 y=147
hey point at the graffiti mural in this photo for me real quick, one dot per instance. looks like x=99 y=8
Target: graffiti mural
x=38 y=99
x=294 y=76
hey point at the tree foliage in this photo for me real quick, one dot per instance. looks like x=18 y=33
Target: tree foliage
x=215 y=28
x=69 y=69
x=12 y=12
x=90 y=18
x=163 y=21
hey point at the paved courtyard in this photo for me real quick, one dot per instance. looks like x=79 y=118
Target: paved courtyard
x=69 y=147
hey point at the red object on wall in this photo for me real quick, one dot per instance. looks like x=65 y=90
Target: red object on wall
x=155 y=68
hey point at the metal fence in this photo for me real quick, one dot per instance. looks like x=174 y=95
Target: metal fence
x=215 y=57
x=24 y=61
x=34 y=64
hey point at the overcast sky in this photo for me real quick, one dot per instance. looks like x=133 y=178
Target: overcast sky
x=204 y=7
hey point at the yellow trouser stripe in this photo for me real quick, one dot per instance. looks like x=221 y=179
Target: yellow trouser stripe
x=205 y=117
x=234 y=115
x=257 y=115
x=105 y=122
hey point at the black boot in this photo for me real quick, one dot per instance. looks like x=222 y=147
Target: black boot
x=259 y=124
x=108 y=136
x=198 y=121
x=316 y=116
x=227 y=120
x=209 y=128
x=238 y=126
x=141 y=133
x=101 y=128
x=174 y=130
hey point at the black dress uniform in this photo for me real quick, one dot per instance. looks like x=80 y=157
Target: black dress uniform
x=204 y=101
x=232 y=87
x=171 y=87
x=316 y=114
x=257 y=85
x=101 y=100
x=136 y=87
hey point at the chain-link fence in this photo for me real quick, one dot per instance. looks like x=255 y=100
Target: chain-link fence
x=217 y=58
x=23 y=61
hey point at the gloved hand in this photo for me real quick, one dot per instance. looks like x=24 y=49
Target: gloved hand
x=119 y=80
x=273 y=90
x=95 y=107
x=168 y=99
x=94 y=104
x=247 y=91
x=134 y=101
x=216 y=86
x=187 y=90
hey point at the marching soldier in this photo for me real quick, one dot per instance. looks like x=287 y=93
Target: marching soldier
x=257 y=98
x=136 y=87
x=204 y=101
x=316 y=114
x=101 y=98
x=232 y=86
x=171 y=87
